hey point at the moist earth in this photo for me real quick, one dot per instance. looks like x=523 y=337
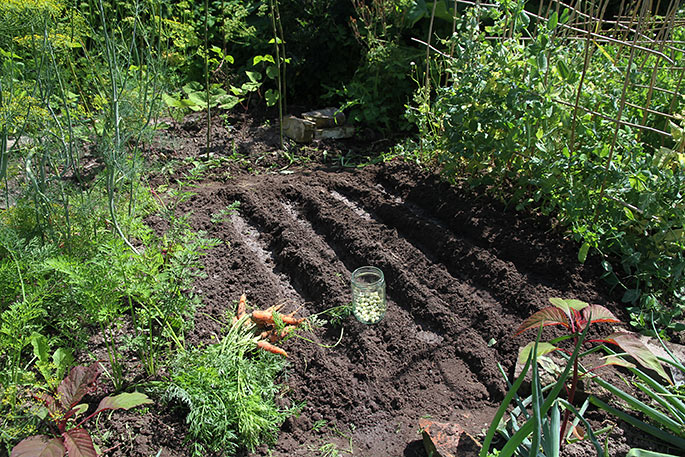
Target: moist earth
x=462 y=272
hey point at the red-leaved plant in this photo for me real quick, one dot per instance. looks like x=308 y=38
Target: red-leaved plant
x=64 y=409
x=575 y=315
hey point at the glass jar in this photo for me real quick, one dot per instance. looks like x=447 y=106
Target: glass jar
x=368 y=295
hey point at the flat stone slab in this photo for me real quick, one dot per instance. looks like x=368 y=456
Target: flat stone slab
x=300 y=130
x=334 y=133
x=326 y=117
x=323 y=124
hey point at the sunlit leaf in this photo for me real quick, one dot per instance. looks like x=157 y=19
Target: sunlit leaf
x=582 y=253
x=62 y=359
x=124 y=401
x=618 y=361
x=632 y=345
x=78 y=443
x=543 y=348
x=39 y=446
x=564 y=72
x=542 y=61
x=548 y=316
x=40 y=346
x=271 y=97
x=570 y=303
x=79 y=409
x=553 y=20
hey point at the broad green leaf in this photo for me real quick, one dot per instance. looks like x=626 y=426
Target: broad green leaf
x=599 y=313
x=567 y=304
x=564 y=72
x=72 y=389
x=582 y=253
x=192 y=86
x=124 y=401
x=39 y=446
x=548 y=316
x=618 y=361
x=254 y=76
x=250 y=86
x=199 y=100
x=62 y=359
x=79 y=443
x=217 y=50
x=176 y=102
x=228 y=101
x=40 y=347
x=264 y=58
x=637 y=350
x=630 y=295
x=553 y=20
x=542 y=61
x=271 y=97
x=79 y=409
x=543 y=349
x=272 y=71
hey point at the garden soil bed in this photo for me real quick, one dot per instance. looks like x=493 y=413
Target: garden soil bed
x=462 y=272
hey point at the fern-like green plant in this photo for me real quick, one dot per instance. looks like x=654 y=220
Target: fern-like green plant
x=228 y=390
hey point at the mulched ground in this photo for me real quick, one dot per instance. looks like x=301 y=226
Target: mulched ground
x=462 y=272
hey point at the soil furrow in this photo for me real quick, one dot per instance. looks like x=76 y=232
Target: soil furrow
x=463 y=259
x=504 y=234
x=456 y=292
x=430 y=292
x=312 y=267
x=284 y=291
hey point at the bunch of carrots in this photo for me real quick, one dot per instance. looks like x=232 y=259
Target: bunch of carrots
x=269 y=332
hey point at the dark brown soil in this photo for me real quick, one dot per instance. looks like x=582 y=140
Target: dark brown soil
x=461 y=272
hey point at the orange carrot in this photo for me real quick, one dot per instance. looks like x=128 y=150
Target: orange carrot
x=274 y=308
x=271 y=348
x=275 y=337
x=241 y=306
x=267 y=318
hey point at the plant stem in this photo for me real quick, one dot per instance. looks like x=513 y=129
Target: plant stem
x=278 y=66
x=209 y=113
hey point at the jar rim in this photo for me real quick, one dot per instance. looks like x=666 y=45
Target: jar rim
x=368 y=270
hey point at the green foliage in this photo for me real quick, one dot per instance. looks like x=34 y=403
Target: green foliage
x=62 y=407
x=499 y=121
x=540 y=431
x=664 y=407
x=228 y=390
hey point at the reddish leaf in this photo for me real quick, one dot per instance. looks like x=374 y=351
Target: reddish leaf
x=548 y=316
x=598 y=313
x=72 y=389
x=637 y=350
x=48 y=401
x=39 y=446
x=78 y=443
x=124 y=401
